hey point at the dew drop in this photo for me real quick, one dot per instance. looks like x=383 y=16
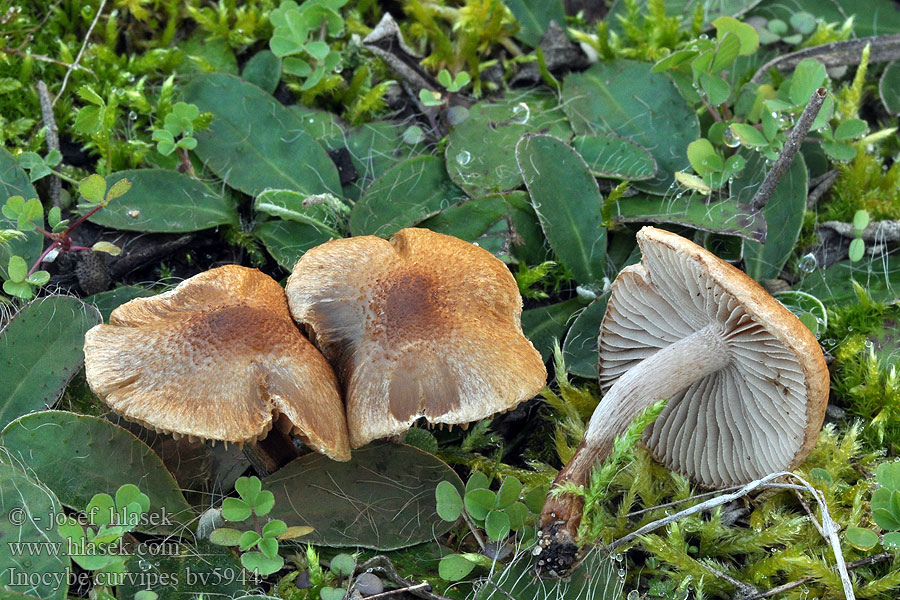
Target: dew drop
x=703 y=36
x=808 y=263
x=143 y=565
x=132 y=116
x=730 y=139
x=521 y=113
x=621 y=572
x=463 y=158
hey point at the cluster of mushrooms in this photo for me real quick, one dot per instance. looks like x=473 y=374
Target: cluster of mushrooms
x=428 y=326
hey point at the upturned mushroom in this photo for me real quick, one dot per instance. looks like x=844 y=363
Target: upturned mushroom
x=217 y=358
x=424 y=325
x=746 y=381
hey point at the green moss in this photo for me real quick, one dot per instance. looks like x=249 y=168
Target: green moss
x=864 y=184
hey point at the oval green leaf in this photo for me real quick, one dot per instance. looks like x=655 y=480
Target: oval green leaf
x=163 y=201
x=77 y=456
x=40 y=351
x=383 y=498
x=405 y=195
x=254 y=142
x=625 y=98
x=568 y=204
x=614 y=156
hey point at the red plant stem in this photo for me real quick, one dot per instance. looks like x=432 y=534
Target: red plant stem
x=43 y=255
x=82 y=219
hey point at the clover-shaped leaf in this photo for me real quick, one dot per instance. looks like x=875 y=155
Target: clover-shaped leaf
x=235 y=509
x=17 y=269
x=259 y=563
x=248 y=488
x=249 y=539
x=93 y=188
x=274 y=529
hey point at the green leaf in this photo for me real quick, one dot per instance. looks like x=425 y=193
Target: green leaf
x=259 y=563
x=38 y=278
x=235 y=509
x=36 y=439
x=533 y=17
x=479 y=502
x=331 y=593
x=88 y=94
x=580 y=346
x=888 y=475
x=861 y=538
x=88 y=120
x=614 y=156
x=783 y=214
x=287 y=241
x=269 y=547
x=405 y=195
x=625 y=98
x=454 y=567
x=496 y=525
x=394 y=481
x=509 y=492
x=248 y=488
x=749 y=39
x=100 y=509
x=449 y=502
x=716 y=89
x=545 y=324
x=728 y=49
x=322 y=212
x=19 y=290
x=534 y=499
x=23 y=496
x=254 y=143
x=343 y=565
x=891 y=540
x=148 y=206
x=518 y=514
x=107 y=248
x=703 y=157
x=748 y=135
x=263 y=70
x=860 y=220
x=728 y=216
x=839 y=152
x=93 y=188
x=850 y=129
x=477 y=481
x=118 y=189
x=568 y=203
x=480 y=156
x=886 y=508
x=248 y=540
x=857 y=249
x=889 y=87
x=18 y=269
x=808 y=76
x=37 y=369
x=274 y=529
x=15 y=182
x=297 y=531
x=265 y=501
x=226 y=536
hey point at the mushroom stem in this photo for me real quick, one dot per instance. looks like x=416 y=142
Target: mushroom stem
x=662 y=375
x=271 y=453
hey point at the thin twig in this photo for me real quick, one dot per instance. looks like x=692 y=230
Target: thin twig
x=43 y=58
x=474 y=530
x=744 y=588
x=862 y=562
x=52 y=137
x=412 y=588
x=818 y=187
x=791 y=146
x=84 y=44
x=829 y=527
x=883 y=48
x=383 y=564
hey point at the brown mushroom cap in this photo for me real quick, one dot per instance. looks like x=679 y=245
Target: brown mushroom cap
x=217 y=358
x=423 y=325
x=757 y=413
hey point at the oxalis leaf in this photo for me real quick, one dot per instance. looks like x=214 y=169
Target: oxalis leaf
x=163 y=201
x=40 y=351
x=568 y=204
x=14 y=181
x=383 y=498
x=625 y=98
x=254 y=142
x=77 y=456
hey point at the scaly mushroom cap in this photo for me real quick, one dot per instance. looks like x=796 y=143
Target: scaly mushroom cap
x=423 y=325
x=217 y=358
x=759 y=414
